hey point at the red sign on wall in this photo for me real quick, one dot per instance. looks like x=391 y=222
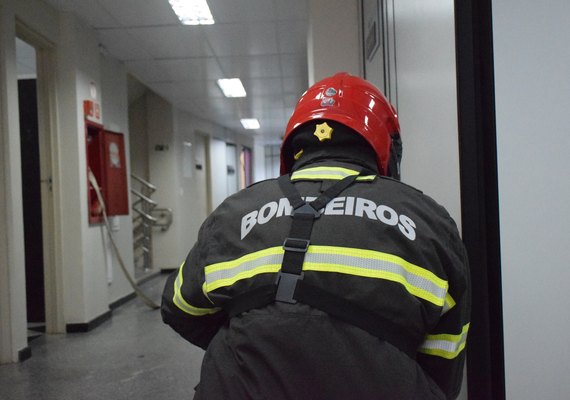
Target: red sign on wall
x=92 y=111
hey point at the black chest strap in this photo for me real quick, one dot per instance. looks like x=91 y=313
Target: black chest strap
x=297 y=243
x=291 y=288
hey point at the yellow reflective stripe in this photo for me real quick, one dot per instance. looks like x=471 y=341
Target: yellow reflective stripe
x=374 y=264
x=445 y=345
x=449 y=304
x=229 y=272
x=331 y=176
x=183 y=305
x=357 y=262
x=332 y=173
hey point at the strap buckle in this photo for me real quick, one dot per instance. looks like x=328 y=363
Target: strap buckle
x=286 y=285
x=296 y=245
x=305 y=210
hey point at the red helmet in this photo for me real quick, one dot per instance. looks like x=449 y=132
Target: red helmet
x=353 y=102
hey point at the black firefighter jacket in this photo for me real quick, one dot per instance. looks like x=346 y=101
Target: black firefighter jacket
x=382 y=245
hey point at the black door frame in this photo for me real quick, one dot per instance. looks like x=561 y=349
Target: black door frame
x=479 y=196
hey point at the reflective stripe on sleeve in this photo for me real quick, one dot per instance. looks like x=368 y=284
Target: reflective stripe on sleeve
x=448 y=305
x=357 y=262
x=445 y=345
x=332 y=173
x=183 y=305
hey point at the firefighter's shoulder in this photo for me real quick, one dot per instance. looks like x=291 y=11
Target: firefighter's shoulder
x=261 y=182
x=397 y=182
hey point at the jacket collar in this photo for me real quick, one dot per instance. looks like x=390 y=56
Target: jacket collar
x=331 y=170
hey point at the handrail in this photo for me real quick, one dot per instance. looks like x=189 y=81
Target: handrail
x=145 y=215
x=144 y=198
x=145 y=183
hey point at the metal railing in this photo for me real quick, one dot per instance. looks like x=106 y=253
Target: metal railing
x=146 y=216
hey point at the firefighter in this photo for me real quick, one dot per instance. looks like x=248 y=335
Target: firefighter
x=334 y=281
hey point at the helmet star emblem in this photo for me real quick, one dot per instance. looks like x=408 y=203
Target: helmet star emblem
x=323 y=132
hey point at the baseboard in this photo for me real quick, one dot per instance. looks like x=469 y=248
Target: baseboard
x=88 y=326
x=24 y=354
x=123 y=300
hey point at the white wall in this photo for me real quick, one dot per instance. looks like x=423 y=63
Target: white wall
x=532 y=84
x=427 y=99
x=138 y=139
x=85 y=56
x=258 y=161
x=85 y=272
x=334 y=39
x=163 y=173
x=193 y=208
x=115 y=118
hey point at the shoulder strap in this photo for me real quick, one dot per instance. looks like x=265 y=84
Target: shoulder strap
x=297 y=243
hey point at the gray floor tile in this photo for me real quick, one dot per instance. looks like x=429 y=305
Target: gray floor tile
x=132 y=356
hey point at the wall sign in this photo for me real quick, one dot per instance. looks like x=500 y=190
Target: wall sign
x=371 y=27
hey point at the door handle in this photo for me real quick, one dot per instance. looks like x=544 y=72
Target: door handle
x=49 y=181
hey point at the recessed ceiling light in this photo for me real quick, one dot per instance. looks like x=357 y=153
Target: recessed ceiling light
x=250 y=123
x=232 y=87
x=192 y=12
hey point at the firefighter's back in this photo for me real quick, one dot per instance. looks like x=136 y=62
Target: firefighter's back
x=365 y=247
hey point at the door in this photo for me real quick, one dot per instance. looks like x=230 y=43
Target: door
x=42 y=221
x=31 y=185
x=32 y=205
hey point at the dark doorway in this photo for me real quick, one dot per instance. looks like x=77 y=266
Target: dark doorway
x=32 y=206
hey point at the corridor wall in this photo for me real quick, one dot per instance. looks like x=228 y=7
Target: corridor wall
x=81 y=262
x=531 y=58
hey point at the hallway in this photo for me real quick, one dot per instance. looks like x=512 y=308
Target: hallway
x=131 y=356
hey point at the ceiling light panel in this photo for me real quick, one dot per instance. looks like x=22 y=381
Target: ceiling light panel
x=192 y=12
x=250 y=123
x=232 y=87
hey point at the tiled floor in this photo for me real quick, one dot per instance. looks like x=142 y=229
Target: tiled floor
x=132 y=356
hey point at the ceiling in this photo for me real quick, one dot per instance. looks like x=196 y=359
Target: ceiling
x=262 y=42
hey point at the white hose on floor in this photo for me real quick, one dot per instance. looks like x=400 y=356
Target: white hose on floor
x=137 y=289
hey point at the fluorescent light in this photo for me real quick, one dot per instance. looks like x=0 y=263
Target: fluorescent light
x=250 y=123
x=192 y=12
x=232 y=87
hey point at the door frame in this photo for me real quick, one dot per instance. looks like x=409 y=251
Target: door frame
x=480 y=196
x=49 y=168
